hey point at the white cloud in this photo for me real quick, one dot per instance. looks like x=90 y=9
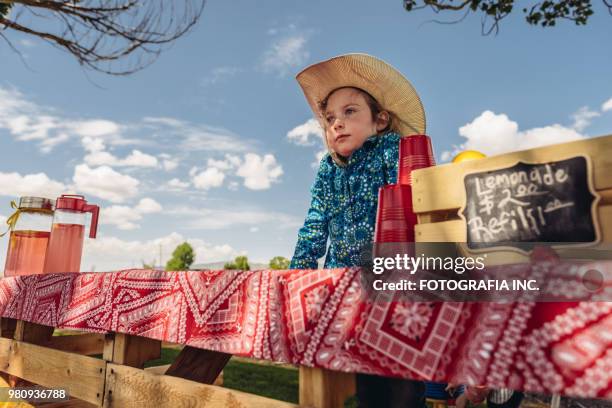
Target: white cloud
x=48 y=128
x=286 y=53
x=148 y=206
x=170 y=164
x=105 y=183
x=306 y=134
x=492 y=134
x=177 y=184
x=121 y=216
x=231 y=218
x=309 y=133
x=607 y=105
x=209 y=178
x=39 y=184
x=582 y=118
x=140 y=159
x=190 y=137
x=95 y=128
x=28 y=121
x=135 y=159
x=259 y=172
x=112 y=253
x=229 y=162
x=126 y=217
x=98 y=156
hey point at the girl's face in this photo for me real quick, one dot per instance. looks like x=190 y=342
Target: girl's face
x=349 y=121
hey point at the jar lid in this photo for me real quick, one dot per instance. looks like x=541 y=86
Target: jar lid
x=39 y=203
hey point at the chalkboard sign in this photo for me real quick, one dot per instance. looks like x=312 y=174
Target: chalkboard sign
x=548 y=202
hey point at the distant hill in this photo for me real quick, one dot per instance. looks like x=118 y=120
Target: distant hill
x=219 y=265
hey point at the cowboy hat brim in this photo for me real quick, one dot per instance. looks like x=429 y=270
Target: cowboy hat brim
x=386 y=84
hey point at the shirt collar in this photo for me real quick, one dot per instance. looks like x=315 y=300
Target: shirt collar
x=358 y=154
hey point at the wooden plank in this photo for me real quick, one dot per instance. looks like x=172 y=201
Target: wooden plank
x=87 y=344
x=161 y=370
x=606 y=197
x=446 y=231
x=82 y=376
x=199 y=365
x=441 y=187
x=605 y=213
x=72 y=403
x=320 y=388
x=130 y=350
x=32 y=332
x=134 y=388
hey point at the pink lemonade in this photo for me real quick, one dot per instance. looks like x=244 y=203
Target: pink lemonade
x=26 y=253
x=65 y=248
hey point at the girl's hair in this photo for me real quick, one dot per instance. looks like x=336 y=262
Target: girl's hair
x=375 y=109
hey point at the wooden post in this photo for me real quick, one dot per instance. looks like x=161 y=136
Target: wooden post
x=320 y=388
x=32 y=332
x=130 y=350
x=555 y=401
x=199 y=365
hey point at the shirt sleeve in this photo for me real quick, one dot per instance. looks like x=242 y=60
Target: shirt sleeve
x=390 y=153
x=312 y=237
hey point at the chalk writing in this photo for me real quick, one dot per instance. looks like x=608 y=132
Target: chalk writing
x=548 y=202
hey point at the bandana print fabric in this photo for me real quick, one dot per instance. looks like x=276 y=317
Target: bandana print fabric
x=323 y=318
x=344 y=202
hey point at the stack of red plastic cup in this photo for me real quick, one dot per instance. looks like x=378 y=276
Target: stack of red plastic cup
x=415 y=152
x=395 y=218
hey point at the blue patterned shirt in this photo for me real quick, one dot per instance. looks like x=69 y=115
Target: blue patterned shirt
x=344 y=202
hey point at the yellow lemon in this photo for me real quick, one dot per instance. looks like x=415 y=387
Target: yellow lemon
x=468 y=155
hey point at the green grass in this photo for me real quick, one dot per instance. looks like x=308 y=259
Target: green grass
x=269 y=381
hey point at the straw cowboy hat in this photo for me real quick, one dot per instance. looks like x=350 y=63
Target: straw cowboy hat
x=386 y=84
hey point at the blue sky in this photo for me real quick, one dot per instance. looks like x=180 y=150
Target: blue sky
x=212 y=143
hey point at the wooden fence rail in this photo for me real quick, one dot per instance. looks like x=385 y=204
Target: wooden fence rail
x=30 y=352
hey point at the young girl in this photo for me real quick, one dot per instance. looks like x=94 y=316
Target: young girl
x=364 y=106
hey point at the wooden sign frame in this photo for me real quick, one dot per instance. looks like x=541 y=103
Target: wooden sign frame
x=499 y=248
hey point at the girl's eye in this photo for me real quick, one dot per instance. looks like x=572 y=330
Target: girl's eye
x=349 y=111
x=329 y=119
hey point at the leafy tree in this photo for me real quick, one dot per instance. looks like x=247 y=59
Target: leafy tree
x=240 y=263
x=115 y=37
x=544 y=13
x=182 y=258
x=279 y=262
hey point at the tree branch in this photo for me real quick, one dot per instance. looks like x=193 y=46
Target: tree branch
x=115 y=37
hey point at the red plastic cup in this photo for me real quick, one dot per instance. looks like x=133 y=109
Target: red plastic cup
x=395 y=218
x=415 y=152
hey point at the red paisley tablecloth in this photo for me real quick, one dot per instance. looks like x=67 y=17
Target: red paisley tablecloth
x=321 y=318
